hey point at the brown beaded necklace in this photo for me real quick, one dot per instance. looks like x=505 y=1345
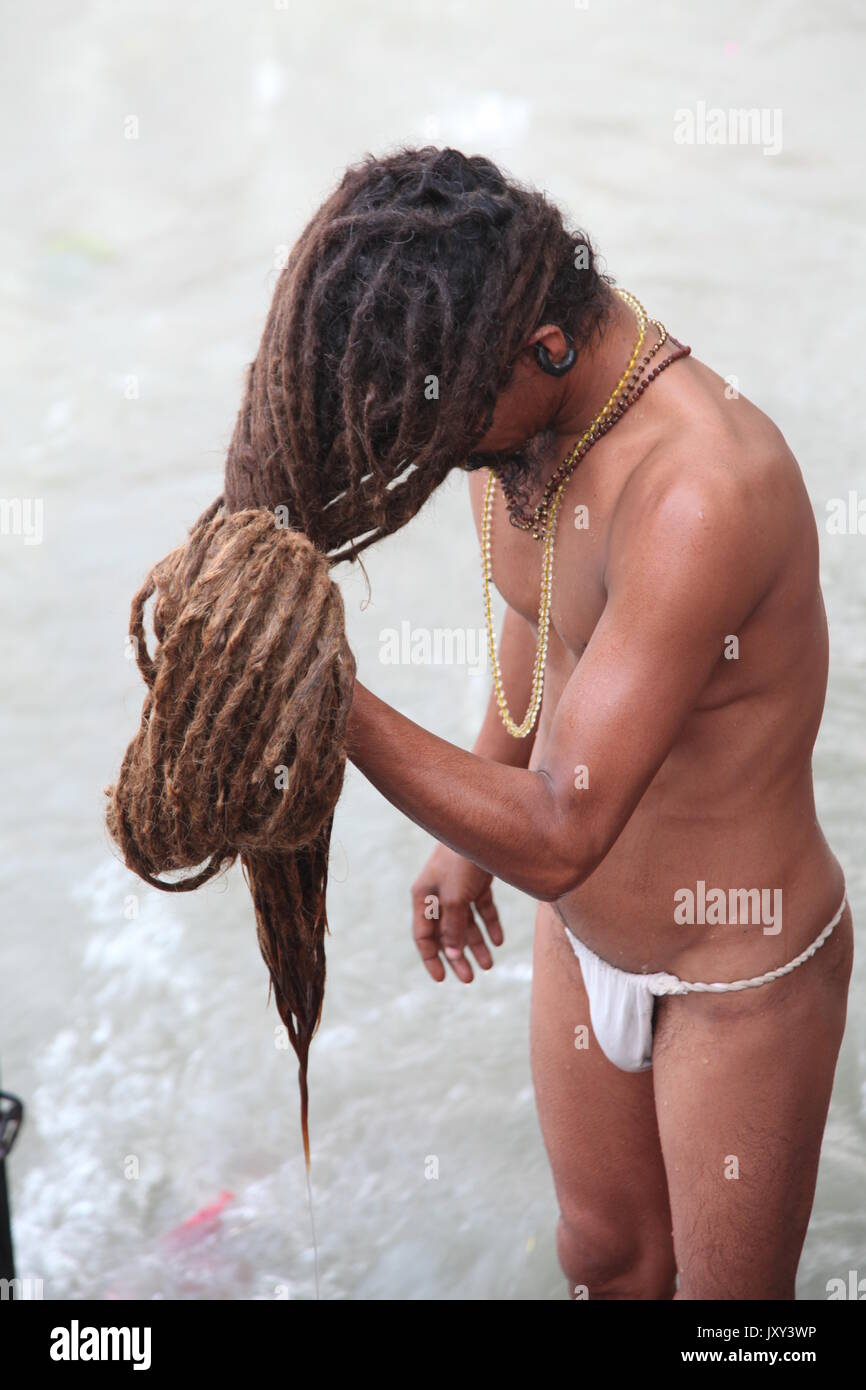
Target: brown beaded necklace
x=634 y=388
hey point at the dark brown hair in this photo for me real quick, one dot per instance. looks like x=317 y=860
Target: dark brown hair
x=425 y=264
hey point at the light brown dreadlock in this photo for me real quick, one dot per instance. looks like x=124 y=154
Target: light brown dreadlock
x=426 y=264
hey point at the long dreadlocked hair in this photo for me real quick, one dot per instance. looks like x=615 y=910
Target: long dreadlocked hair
x=425 y=264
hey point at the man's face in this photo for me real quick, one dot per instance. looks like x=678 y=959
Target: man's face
x=518 y=443
x=521 y=409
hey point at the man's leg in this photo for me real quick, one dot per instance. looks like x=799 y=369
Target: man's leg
x=599 y=1127
x=742 y=1085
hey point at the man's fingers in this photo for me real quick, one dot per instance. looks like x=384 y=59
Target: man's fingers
x=430 y=957
x=454 y=923
x=486 y=909
x=453 y=931
x=478 y=946
x=426 y=934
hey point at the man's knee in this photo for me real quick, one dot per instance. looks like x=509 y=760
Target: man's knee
x=603 y=1258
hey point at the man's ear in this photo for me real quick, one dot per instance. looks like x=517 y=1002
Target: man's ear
x=551 y=336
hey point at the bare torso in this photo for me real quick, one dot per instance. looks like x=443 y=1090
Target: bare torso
x=732 y=804
x=685 y=675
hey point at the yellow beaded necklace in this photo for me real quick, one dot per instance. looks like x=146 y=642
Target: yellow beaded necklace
x=544 y=526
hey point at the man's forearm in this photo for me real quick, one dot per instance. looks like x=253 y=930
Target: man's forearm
x=503 y=818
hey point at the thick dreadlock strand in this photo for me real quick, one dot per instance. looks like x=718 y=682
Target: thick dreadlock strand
x=241 y=746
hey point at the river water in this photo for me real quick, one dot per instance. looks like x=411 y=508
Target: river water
x=158 y=158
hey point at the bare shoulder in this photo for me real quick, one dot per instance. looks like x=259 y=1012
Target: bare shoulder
x=719 y=481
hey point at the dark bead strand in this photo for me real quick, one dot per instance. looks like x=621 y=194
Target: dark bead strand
x=633 y=392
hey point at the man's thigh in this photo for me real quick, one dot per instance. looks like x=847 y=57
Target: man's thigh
x=600 y=1131
x=742 y=1086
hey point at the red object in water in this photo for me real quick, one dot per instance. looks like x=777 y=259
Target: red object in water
x=201 y=1223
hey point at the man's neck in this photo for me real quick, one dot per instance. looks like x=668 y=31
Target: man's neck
x=588 y=387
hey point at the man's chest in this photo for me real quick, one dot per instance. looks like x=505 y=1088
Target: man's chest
x=579 y=550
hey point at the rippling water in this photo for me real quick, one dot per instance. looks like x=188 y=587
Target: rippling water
x=136 y=1026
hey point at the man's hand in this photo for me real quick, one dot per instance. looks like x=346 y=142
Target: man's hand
x=444 y=895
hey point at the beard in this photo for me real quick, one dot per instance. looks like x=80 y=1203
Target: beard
x=519 y=472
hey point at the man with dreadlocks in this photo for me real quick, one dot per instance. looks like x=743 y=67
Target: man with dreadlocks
x=644 y=769
x=675 y=618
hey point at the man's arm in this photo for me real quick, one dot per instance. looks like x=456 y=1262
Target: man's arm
x=462 y=891
x=684 y=570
